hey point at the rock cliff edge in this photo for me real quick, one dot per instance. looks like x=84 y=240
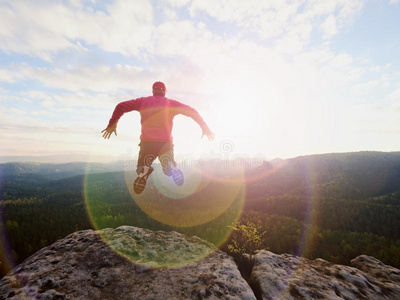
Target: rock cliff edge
x=135 y=263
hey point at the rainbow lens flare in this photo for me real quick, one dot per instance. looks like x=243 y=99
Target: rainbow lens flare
x=201 y=206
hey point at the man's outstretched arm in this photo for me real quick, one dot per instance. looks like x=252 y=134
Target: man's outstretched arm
x=119 y=110
x=192 y=113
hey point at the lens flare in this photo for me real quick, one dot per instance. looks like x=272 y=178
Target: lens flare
x=165 y=185
x=206 y=200
x=155 y=249
x=307 y=238
x=7 y=261
x=201 y=207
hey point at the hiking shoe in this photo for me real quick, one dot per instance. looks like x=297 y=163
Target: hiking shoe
x=168 y=171
x=140 y=182
x=177 y=176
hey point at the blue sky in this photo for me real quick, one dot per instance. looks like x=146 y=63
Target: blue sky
x=278 y=78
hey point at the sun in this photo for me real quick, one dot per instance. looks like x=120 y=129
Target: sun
x=241 y=109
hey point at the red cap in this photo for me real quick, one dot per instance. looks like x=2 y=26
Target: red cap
x=159 y=86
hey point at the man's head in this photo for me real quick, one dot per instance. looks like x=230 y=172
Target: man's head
x=159 y=89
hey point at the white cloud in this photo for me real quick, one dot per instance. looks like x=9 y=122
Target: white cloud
x=170 y=14
x=91 y=78
x=264 y=17
x=127 y=27
x=59 y=106
x=6 y=76
x=204 y=61
x=182 y=38
x=394 y=99
x=272 y=19
x=22 y=30
x=35 y=132
x=329 y=26
x=40 y=28
x=80 y=3
x=77 y=101
x=376 y=69
x=176 y=3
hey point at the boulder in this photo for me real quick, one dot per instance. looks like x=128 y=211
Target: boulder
x=135 y=263
x=290 y=277
x=127 y=263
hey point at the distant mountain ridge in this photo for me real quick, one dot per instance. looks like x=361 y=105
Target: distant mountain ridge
x=56 y=171
x=354 y=175
x=59 y=158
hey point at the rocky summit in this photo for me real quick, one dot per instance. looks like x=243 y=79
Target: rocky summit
x=290 y=277
x=127 y=263
x=134 y=263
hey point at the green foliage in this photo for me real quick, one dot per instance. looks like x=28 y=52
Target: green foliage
x=246 y=238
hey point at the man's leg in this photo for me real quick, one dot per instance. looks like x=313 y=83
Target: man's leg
x=146 y=157
x=168 y=163
x=166 y=158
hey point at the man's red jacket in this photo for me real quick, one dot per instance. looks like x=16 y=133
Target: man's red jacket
x=157 y=114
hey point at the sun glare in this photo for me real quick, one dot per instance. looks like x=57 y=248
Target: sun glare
x=241 y=110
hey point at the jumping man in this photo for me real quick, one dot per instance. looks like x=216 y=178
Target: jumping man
x=157 y=113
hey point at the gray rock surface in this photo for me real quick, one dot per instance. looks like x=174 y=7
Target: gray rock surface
x=134 y=263
x=289 y=277
x=127 y=263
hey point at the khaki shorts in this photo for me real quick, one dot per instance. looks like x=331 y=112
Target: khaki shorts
x=149 y=151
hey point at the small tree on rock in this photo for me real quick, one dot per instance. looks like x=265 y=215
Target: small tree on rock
x=246 y=238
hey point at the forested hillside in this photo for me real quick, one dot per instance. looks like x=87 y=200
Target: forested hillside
x=54 y=171
x=354 y=176
x=333 y=206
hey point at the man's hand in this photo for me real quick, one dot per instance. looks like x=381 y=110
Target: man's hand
x=207 y=132
x=108 y=131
